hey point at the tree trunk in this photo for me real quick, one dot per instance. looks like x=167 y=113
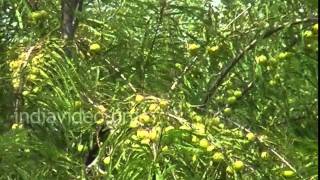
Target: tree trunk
x=69 y=21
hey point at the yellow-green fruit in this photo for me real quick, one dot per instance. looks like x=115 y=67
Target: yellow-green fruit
x=229 y=170
x=27 y=150
x=144 y=118
x=227 y=111
x=238 y=133
x=230 y=92
x=163 y=103
x=204 y=143
x=32 y=77
x=237 y=93
x=81 y=148
x=35 y=15
x=165 y=149
x=307 y=34
x=231 y=100
x=215 y=121
x=145 y=141
x=219 y=99
x=238 y=165
x=262 y=59
x=197 y=118
x=77 y=104
x=273 y=61
x=44 y=13
x=192 y=113
x=134 y=124
x=264 y=155
x=154 y=107
x=141 y=133
x=309 y=46
x=199 y=128
x=194 y=158
x=217 y=157
x=38 y=14
x=193 y=48
x=34 y=70
x=283 y=55
x=139 y=98
x=288 y=173
x=194 y=139
x=315 y=28
x=14 y=126
x=272 y=82
x=36 y=89
x=25 y=93
x=210 y=148
x=178 y=65
x=221 y=126
x=153 y=135
x=95 y=47
x=100 y=121
x=107 y=160
x=101 y=109
x=250 y=136
x=213 y=49
x=263 y=138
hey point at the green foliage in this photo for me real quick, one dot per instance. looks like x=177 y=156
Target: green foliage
x=144 y=68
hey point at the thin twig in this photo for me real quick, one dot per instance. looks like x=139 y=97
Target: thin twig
x=244 y=11
x=176 y=81
x=282 y=159
x=21 y=83
x=146 y=63
x=122 y=76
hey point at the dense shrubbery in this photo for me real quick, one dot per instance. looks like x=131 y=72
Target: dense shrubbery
x=178 y=90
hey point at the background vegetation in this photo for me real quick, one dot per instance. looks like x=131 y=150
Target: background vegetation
x=188 y=89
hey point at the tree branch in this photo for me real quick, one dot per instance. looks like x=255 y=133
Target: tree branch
x=22 y=77
x=215 y=84
x=68 y=19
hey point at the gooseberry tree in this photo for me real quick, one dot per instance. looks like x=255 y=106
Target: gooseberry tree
x=177 y=89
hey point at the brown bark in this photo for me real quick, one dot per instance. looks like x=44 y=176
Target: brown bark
x=69 y=21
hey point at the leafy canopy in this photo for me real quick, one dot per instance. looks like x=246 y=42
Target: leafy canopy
x=181 y=90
